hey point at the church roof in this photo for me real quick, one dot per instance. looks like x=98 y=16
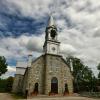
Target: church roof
x=21 y=67
x=21 y=64
x=51 y=21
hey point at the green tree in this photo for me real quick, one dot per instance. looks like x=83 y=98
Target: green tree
x=2 y=85
x=98 y=80
x=9 y=83
x=6 y=84
x=83 y=76
x=98 y=67
x=3 y=65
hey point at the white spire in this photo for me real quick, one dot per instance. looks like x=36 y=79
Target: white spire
x=51 y=21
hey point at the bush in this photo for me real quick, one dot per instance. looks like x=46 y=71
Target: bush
x=6 y=84
x=2 y=85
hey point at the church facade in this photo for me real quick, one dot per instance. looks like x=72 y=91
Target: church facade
x=49 y=73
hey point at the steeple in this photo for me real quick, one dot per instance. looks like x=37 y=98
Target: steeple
x=51 y=30
x=51 y=45
x=51 y=21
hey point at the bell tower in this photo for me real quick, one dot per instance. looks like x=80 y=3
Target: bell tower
x=51 y=44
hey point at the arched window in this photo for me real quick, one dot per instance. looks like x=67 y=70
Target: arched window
x=54 y=85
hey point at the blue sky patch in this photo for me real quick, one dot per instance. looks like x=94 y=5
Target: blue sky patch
x=17 y=25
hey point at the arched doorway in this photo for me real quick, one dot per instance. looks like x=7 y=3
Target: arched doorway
x=36 y=88
x=54 y=85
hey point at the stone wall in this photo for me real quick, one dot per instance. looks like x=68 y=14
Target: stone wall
x=17 y=85
x=42 y=70
x=56 y=67
x=36 y=75
x=25 y=81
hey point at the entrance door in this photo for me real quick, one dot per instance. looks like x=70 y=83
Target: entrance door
x=54 y=85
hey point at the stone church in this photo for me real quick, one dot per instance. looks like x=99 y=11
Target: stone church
x=49 y=73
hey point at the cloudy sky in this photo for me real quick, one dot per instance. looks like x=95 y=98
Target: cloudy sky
x=23 y=23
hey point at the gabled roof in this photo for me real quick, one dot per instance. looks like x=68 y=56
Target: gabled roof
x=21 y=64
x=21 y=67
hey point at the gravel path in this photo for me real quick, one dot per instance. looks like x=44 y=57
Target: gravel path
x=6 y=96
x=62 y=98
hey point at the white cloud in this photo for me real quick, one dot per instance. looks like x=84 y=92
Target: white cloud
x=11 y=69
x=29 y=8
x=79 y=21
x=11 y=47
x=67 y=49
x=35 y=43
x=16 y=48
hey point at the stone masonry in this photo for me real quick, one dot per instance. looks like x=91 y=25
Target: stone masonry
x=44 y=69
